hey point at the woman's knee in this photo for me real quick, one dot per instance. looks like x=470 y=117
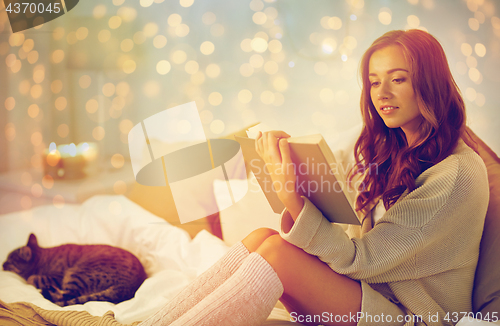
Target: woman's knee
x=275 y=249
x=255 y=239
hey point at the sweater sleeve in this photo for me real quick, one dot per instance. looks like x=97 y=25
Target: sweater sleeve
x=449 y=201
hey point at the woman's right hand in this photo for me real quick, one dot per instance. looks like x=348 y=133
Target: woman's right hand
x=274 y=149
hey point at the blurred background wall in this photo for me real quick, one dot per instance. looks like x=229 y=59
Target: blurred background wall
x=106 y=65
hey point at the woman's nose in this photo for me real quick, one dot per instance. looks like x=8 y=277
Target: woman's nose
x=384 y=91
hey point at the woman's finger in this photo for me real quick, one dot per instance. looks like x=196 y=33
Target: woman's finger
x=258 y=143
x=285 y=156
x=271 y=145
x=285 y=151
x=279 y=134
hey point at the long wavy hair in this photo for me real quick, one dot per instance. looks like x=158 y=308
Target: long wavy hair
x=389 y=165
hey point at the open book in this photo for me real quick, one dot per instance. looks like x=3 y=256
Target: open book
x=319 y=177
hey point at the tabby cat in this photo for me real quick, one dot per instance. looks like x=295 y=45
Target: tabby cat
x=73 y=274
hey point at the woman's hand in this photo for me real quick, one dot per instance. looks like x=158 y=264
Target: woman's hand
x=274 y=149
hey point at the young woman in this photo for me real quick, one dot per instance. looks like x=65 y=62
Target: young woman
x=414 y=259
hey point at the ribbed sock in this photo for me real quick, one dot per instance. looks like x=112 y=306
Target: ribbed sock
x=200 y=287
x=246 y=298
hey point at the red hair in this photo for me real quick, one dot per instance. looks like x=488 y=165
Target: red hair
x=390 y=166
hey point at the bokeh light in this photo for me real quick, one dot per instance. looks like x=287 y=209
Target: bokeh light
x=466 y=49
x=474 y=24
x=326 y=95
x=10 y=131
x=33 y=111
x=36 y=138
x=215 y=98
x=256 y=60
x=206 y=116
x=213 y=70
x=151 y=88
x=208 y=18
x=99 y=11
x=82 y=33
x=104 y=36
x=259 y=45
x=91 y=106
x=36 y=91
x=85 y=81
x=47 y=181
x=186 y=3
x=235 y=70
x=245 y=96
x=385 y=16
x=163 y=67
x=127 y=45
x=191 y=67
x=413 y=21
x=174 y=20
x=280 y=84
x=178 y=57
x=271 y=67
x=56 y=86
x=120 y=187
x=129 y=66
x=98 y=133
x=334 y=23
x=150 y=29
x=146 y=3
x=217 y=127
x=159 y=41
x=63 y=130
x=57 y=56
x=267 y=97
x=10 y=103
x=259 y=18
x=480 y=49
x=207 y=47
x=117 y=161
x=61 y=103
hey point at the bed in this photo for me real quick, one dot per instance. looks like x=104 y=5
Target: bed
x=171 y=257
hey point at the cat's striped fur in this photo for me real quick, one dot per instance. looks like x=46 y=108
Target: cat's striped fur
x=74 y=274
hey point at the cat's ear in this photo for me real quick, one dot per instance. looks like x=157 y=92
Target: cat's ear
x=32 y=241
x=25 y=253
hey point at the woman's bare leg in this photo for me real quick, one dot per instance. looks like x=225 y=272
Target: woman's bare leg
x=255 y=239
x=311 y=287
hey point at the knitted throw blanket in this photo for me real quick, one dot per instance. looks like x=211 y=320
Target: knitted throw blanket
x=27 y=314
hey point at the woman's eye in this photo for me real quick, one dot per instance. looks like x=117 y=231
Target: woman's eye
x=398 y=80
x=375 y=83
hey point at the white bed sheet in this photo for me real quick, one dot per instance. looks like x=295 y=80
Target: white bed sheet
x=171 y=259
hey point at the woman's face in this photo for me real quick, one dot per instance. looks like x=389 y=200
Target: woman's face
x=392 y=92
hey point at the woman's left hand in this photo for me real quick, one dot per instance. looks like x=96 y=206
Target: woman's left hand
x=274 y=149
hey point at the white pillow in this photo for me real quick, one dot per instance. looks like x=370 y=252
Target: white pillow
x=171 y=259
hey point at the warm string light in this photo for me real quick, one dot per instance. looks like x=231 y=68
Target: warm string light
x=264 y=60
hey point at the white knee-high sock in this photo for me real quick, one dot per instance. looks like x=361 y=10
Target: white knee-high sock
x=200 y=287
x=246 y=298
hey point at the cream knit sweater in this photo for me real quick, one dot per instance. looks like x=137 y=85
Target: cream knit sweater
x=423 y=252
